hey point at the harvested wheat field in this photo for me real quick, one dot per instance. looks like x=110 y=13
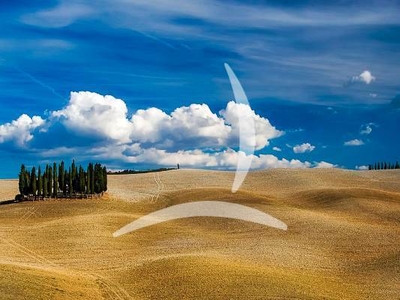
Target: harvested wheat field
x=342 y=240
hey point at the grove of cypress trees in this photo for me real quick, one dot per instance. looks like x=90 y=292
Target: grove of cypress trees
x=56 y=178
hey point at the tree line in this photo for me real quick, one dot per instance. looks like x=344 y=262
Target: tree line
x=384 y=166
x=128 y=171
x=57 y=181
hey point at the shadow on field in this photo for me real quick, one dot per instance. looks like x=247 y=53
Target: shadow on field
x=9 y=202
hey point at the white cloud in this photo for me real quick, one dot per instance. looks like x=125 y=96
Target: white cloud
x=226 y=159
x=277 y=149
x=324 y=165
x=373 y=95
x=193 y=126
x=192 y=136
x=20 y=130
x=194 y=123
x=92 y=114
x=263 y=129
x=355 y=142
x=367 y=128
x=365 y=77
x=361 y=167
x=305 y=147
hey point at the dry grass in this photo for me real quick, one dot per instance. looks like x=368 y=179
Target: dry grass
x=342 y=241
x=8 y=189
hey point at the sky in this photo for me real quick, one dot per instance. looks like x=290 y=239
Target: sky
x=142 y=84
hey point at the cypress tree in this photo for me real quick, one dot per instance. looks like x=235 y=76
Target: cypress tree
x=105 y=178
x=33 y=182
x=92 y=179
x=65 y=182
x=61 y=175
x=55 y=181
x=45 y=184
x=50 y=182
x=40 y=182
x=397 y=165
x=21 y=182
x=27 y=183
x=98 y=179
x=81 y=180
x=73 y=176
x=70 y=182
x=89 y=179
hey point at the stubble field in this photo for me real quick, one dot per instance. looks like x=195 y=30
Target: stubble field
x=342 y=240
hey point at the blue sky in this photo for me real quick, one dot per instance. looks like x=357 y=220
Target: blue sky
x=320 y=78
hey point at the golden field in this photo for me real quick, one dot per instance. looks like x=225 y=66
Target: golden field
x=342 y=240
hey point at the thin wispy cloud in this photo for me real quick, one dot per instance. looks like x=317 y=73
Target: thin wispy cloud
x=61 y=15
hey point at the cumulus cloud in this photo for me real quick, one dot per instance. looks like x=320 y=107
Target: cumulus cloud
x=365 y=77
x=20 y=130
x=93 y=114
x=192 y=136
x=305 y=147
x=195 y=124
x=264 y=131
x=277 y=149
x=192 y=126
x=355 y=142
